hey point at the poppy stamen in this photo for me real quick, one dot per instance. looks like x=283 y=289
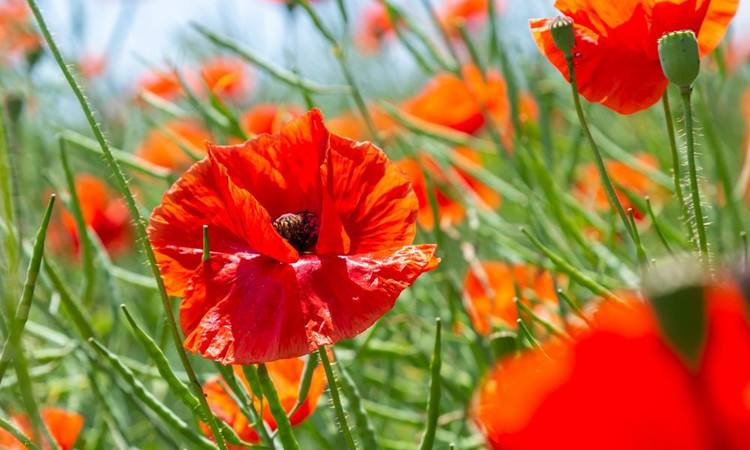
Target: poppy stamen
x=299 y=229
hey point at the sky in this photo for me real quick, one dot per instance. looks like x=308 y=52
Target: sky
x=153 y=28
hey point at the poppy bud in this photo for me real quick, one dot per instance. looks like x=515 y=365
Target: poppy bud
x=563 y=34
x=679 y=56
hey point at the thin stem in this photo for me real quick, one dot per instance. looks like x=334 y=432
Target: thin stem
x=134 y=211
x=334 y=389
x=606 y=182
x=693 y=173
x=206 y=245
x=675 y=162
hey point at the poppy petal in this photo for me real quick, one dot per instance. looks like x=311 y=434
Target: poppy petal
x=716 y=23
x=600 y=67
x=247 y=308
x=375 y=201
x=285 y=175
x=175 y=228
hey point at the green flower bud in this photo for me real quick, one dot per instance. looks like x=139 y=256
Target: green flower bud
x=679 y=56
x=563 y=34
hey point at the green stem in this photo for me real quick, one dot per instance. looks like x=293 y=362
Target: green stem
x=606 y=182
x=286 y=435
x=87 y=252
x=17 y=323
x=433 y=401
x=134 y=211
x=336 y=398
x=700 y=225
x=675 y=162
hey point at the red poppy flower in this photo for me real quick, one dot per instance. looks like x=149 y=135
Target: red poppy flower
x=616 y=58
x=469 y=11
x=92 y=65
x=103 y=211
x=621 y=386
x=489 y=292
x=351 y=124
x=64 y=427
x=165 y=84
x=589 y=190
x=268 y=117
x=17 y=36
x=450 y=101
x=166 y=149
x=376 y=26
x=286 y=375
x=226 y=77
x=310 y=239
x=449 y=210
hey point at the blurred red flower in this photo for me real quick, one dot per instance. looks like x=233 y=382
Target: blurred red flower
x=621 y=386
x=165 y=149
x=92 y=65
x=103 y=211
x=286 y=375
x=165 y=84
x=450 y=211
x=268 y=117
x=457 y=103
x=64 y=427
x=589 y=190
x=310 y=239
x=452 y=12
x=17 y=35
x=489 y=292
x=226 y=77
x=616 y=58
x=376 y=25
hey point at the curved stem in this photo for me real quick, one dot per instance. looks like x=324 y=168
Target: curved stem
x=693 y=174
x=606 y=182
x=675 y=162
x=336 y=398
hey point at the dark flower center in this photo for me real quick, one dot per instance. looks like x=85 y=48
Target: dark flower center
x=300 y=229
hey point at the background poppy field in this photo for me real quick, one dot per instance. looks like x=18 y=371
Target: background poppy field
x=547 y=317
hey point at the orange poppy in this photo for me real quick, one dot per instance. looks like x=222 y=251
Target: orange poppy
x=166 y=149
x=165 y=84
x=268 y=117
x=588 y=189
x=226 y=77
x=310 y=237
x=449 y=210
x=64 y=427
x=621 y=386
x=92 y=65
x=615 y=56
x=351 y=124
x=469 y=11
x=286 y=375
x=489 y=292
x=376 y=27
x=103 y=211
x=450 y=101
x=17 y=36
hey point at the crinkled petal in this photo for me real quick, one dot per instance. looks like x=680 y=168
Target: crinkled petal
x=282 y=171
x=624 y=80
x=235 y=223
x=374 y=199
x=247 y=308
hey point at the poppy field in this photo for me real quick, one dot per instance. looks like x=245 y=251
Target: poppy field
x=376 y=224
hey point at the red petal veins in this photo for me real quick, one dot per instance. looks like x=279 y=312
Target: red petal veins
x=247 y=308
x=374 y=199
x=282 y=171
x=235 y=223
